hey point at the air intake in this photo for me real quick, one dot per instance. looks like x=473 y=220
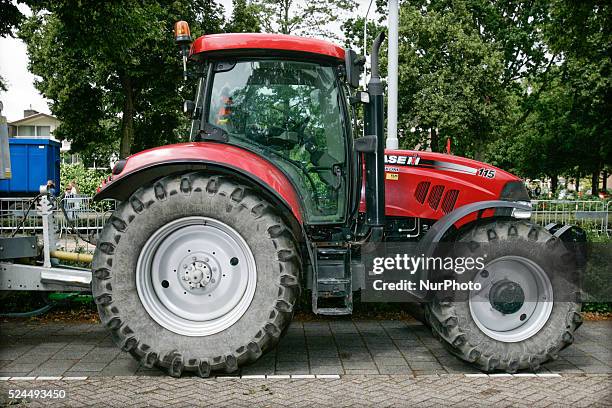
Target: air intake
x=450 y=198
x=421 y=191
x=435 y=196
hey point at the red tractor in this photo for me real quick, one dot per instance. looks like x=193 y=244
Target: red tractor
x=200 y=267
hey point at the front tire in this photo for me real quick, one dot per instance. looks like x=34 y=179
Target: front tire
x=524 y=261
x=196 y=273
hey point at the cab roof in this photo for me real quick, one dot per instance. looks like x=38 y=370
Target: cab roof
x=244 y=42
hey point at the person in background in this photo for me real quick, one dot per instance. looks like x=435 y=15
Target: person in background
x=51 y=188
x=74 y=189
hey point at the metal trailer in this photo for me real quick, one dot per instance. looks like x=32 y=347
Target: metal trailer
x=17 y=252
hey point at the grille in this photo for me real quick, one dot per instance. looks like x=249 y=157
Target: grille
x=435 y=196
x=450 y=198
x=421 y=191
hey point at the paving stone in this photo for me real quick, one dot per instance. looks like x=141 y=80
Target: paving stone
x=316 y=362
x=18 y=368
x=323 y=347
x=89 y=366
x=361 y=371
x=390 y=362
x=395 y=369
x=326 y=370
x=292 y=357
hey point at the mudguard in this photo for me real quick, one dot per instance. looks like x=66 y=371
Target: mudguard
x=148 y=165
x=427 y=245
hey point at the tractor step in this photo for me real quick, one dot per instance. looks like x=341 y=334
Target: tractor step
x=332 y=286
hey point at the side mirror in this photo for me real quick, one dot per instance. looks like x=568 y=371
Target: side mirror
x=188 y=108
x=353 y=64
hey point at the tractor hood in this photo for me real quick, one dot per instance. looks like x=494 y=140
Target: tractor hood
x=430 y=185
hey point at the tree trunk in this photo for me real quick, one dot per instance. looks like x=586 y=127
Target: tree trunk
x=554 y=184
x=595 y=183
x=285 y=25
x=578 y=183
x=433 y=140
x=604 y=181
x=127 y=121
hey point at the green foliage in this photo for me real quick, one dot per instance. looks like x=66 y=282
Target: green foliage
x=449 y=78
x=87 y=180
x=597 y=307
x=112 y=70
x=563 y=123
x=10 y=17
x=245 y=18
x=303 y=17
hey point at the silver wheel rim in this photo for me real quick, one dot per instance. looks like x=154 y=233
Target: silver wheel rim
x=196 y=276
x=533 y=312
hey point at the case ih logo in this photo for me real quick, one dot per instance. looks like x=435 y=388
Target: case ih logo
x=402 y=160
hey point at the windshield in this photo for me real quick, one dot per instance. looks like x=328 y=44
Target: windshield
x=289 y=112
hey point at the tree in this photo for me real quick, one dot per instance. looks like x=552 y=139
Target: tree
x=562 y=126
x=581 y=33
x=245 y=18
x=304 y=17
x=10 y=18
x=112 y=72
x=450 y=80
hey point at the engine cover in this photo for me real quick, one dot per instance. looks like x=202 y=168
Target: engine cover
x=429 y=185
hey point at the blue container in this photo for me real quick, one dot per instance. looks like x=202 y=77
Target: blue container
x=33 y=162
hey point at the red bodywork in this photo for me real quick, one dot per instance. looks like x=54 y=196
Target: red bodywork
x=430 y=185
x=453 y=181
x=227 y=42
x=223 y=155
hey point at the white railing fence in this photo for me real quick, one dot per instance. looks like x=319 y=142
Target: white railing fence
x=78 y=219
x=81 y=218
x=592 y=216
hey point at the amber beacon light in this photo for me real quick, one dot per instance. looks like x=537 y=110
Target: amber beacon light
x=182 y=37
x=182 y=34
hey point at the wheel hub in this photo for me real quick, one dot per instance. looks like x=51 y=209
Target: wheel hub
x=506 y=296
x=196 y=273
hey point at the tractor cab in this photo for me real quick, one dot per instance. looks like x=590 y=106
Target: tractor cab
x=285 y=99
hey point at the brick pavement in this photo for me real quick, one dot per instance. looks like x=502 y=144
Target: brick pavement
x=576 y=390
x=321 y=347
x=380 y=364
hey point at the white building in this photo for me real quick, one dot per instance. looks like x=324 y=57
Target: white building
x=36 y=125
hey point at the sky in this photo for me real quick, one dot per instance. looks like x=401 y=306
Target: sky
x=21 y=92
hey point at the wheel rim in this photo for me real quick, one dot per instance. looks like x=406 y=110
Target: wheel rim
x=196 y=276
x=515 y=299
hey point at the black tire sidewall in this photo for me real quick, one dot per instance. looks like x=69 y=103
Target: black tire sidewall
x=252 y=226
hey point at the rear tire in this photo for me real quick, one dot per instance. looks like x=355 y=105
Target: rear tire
x=198 y=323
x=475 y=334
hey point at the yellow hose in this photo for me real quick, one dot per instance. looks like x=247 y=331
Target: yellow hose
x=72 y=256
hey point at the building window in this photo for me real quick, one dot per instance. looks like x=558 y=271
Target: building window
x=26 y=130
x=71 y=158
x=43 y=131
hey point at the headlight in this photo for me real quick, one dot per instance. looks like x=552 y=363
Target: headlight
x=521 y=213
x=514 y=191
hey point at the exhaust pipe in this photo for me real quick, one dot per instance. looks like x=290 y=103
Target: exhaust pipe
x=375 y=163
